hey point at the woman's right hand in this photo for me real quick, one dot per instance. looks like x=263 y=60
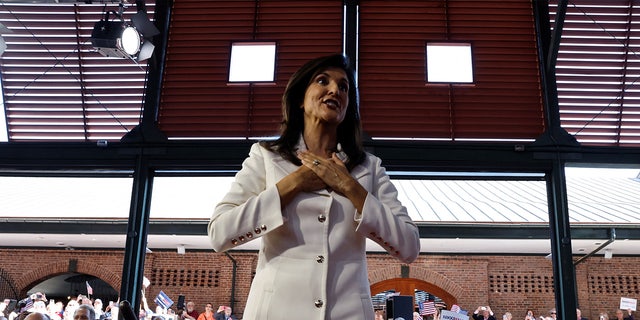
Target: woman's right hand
x=301 y=180
x=308 y=180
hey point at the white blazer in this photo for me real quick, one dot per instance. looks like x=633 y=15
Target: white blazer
x=312 y=262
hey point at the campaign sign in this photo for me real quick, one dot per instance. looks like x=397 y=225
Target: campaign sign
x=450 y=315
x=628 y=303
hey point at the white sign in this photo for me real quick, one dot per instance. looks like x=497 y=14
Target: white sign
x=450 y=315
x=628 y=303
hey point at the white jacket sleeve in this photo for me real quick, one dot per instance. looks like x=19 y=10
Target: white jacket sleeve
x=250 y=209
x=385 y=220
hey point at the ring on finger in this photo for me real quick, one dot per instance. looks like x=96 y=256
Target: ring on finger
x=316 y=162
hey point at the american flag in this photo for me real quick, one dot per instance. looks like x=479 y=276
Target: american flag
x=455 y=308
x=28 y=305
x=426 y=307
x=89 y=289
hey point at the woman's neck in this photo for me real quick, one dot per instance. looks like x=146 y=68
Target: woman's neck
x=320 y=142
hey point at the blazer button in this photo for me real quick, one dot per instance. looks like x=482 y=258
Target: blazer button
x=319 y=303
x=249 y=235
x=322 y=218
x=263 y=227
x=320 y=259
x=234 y=241
x=241 y=238
x=257 y=230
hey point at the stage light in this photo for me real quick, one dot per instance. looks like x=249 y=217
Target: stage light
x=117 y=38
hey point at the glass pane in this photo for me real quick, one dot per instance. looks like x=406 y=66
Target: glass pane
x=187 y=197
x=449 y=62
x=605 y=196
x=65 y=197
x=252 y=61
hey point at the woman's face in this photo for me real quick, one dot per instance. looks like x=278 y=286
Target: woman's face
x=327 y=97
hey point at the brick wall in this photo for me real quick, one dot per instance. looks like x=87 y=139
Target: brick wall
x=506 y=283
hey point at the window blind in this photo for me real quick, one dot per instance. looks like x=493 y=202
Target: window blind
x=197 y=100
x=597 y=72
x=504 y=102
x=55 y=85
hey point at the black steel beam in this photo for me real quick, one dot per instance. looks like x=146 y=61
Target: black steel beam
x=427 y=230
x=228 y=155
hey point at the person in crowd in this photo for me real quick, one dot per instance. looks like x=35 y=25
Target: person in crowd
x=436 y=316
x=579 y=315
x=3 y=307
x=85 y=300
x=483 y=313
x=507 y=316
x=54 y=310
x=39 y=306
x=530 y=315
x=145 y=311
x=190 y=312
x=84 y=312
x=112 y=310
x=553 y=314
x=97 y=307
x=603 y=316
x=70 y=309
x=208 y=313
x=314 y=196
x=219 y=311
x=225 y=314
x=37 y=316
x=620 y=315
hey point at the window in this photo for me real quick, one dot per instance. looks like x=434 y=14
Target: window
x=252 y=62
x=449 y=62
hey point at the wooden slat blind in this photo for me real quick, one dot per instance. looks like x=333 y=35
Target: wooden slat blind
x=598 y=87
x=504 y=103
x=56 y=86
x=198 y=102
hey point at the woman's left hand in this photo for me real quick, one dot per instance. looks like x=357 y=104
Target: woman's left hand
x=331 y=170
x=336 y=175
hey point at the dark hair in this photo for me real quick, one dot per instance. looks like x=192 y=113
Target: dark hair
x=349 y=130
x=90 y=310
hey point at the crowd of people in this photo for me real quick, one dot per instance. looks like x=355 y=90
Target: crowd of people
x=485 y=313
x=38 y=307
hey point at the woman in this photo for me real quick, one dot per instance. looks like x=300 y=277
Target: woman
x=314 y=196
x=208 y=313
x=530 y=315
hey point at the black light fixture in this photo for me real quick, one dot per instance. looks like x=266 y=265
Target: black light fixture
x=118 y=38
